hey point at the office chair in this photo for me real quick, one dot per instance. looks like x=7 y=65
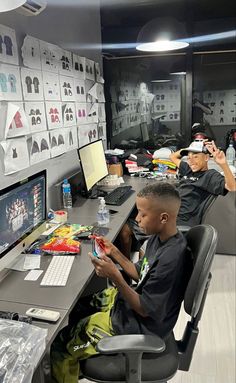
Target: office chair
x=148 y=358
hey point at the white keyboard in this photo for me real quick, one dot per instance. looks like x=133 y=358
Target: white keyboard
x=58 y=271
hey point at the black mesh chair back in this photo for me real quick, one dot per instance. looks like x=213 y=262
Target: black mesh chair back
x=146 y=358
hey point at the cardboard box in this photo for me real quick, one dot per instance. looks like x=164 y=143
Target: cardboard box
x=116 y=169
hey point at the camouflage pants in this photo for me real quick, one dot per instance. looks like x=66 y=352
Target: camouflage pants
x=78 y=342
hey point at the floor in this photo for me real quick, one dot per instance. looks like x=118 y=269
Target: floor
x=214 y=355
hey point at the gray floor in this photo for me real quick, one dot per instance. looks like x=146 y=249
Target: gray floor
x=214 y=356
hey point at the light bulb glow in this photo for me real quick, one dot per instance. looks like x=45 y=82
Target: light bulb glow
x=162 y=46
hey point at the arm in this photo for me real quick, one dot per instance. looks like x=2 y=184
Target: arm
x=220 y=159
x=105 y=267
x=176 y=158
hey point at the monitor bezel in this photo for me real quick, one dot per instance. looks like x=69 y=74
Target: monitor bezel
x=31 y=235
x=89 y=191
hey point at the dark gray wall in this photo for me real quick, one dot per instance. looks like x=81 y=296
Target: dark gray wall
x=66 y=27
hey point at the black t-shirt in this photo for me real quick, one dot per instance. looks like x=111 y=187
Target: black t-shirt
x=163 y=275
x=195 y=188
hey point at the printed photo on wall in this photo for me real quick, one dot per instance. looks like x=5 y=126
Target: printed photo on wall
x=16 y=155
x=102 y=130
x=51 y=86
x=54 y=114
x=68 y=113
x=13 y=120
x=32 y=84
x=78 y=66
x=10 y=84
x=39 y=147
x=8 y=46
x=87 y=133
x=30 y=52
x=57 y=142
x=67 y=88
x=81 y=113
x=80 y=92
x=89 y=69
x=65 y=62
x=35 y=112
x=71 y=138
x=49 y=56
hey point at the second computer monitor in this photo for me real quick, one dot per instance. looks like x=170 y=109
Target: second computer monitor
x=93 y=164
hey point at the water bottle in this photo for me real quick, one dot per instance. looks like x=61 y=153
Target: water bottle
x=103 y=216
x=66 y=194
x=230 y=154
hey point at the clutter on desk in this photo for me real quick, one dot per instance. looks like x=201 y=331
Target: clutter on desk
x=110 y=181
x=21 y=347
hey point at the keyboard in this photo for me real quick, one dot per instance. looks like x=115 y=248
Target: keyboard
x=58 y=271
x=119 y=195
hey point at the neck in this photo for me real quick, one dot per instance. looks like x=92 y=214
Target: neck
x=168 y=233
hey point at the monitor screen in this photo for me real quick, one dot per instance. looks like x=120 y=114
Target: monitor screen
x=93 y=163
x=22 y=215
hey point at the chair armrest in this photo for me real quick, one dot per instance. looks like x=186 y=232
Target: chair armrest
x=131 y=343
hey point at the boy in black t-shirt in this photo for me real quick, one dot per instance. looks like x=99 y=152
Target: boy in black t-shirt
x=150 y=308
x=197 y=184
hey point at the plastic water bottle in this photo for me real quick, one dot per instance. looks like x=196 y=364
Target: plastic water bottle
x=103 y=216
x=66 y=194
x=230 y=154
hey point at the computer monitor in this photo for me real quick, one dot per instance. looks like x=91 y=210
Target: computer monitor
x=22 y=216
x=93 y=165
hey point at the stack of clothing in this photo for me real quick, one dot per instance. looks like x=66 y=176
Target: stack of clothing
x=162 y=163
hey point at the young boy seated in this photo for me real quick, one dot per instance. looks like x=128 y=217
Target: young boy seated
x=152 y=307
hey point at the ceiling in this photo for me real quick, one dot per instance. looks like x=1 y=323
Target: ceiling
x=122 y=20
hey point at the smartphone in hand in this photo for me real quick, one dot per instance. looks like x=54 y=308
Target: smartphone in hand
x=97 y=247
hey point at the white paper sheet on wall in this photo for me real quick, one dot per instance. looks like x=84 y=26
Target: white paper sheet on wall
x=101 y=112
x=8 y=46
x=10 y=84
x=54 y=114
x=57 y=142
x=65 y=62
x=89 y=69
x=87 y=133
x=49 y=56
x=78 y=66
x=15 y=155
x=68 y=114
x=81 y=113
x=16 y=122
x=102 y=130
x=30 y=52
x=92 y=113
x=80 y=92
x=35 y=112
x=67 y=88
x=71 y=138
x=32 y=84
x=51 y=86
x=39 y=147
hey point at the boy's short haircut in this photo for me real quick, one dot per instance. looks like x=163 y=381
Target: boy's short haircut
x=160 y=189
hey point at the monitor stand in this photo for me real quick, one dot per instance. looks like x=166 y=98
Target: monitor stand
x=95 y=193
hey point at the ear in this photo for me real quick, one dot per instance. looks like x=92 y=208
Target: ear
x=164 y=217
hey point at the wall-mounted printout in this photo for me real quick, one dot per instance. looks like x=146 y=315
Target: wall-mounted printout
x=35 y=112
x=30 y=52
x=16 y=155
x=10 y=83
x=57 y=142
x=51 y=86
x=80 y=91
x=8 y=46
x=68 y=114
x=67 y=88
x=78 y=66
x=87 y=133
x=32 y=84
x=71 y=138
x=49 y=56
x=54 y=114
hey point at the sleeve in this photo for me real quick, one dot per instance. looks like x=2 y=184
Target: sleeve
x=159 y=285
x=184 y=168
x=215 y=183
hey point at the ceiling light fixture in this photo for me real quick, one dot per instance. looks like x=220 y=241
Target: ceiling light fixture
x=9 y=5
x=161 y=35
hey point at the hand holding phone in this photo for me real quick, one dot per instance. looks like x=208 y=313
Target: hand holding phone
x=98 y=248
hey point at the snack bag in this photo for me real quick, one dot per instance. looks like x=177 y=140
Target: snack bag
x=56 y=245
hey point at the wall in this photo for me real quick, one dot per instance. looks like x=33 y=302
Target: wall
x=66 y=27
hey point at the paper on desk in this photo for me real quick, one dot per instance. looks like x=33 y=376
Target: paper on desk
x=33 y=275
x=32 y=261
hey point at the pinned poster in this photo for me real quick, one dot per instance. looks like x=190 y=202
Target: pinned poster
x=39 y=147
x=16 y=155
x=10 y=84
x=65 y=62
x=32 y=84
x=80 y=92
x=101 y=112
x=13 y=120
x=51 y=86
x=57 y=142
x=98 y=76
x=90 y=89
x=87 y=133
x=30 y=52
x=35 y=112
x=8 y=46
x=71 y=138
x=54 y=114
x=102 y=130
x=78 y=66
x=67 y=88
x=92 y=113
x=81 y=113
x=68 y=114
x=49 y=56
x=89 y=69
